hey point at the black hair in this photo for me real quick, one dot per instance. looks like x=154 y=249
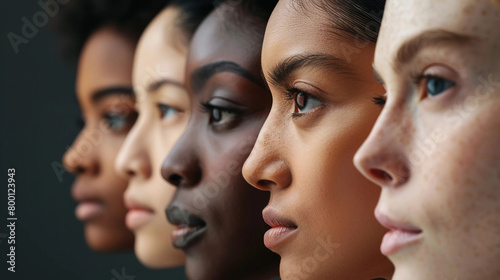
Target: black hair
x=192 y=14
x=257 y=13
x=80 y=18
x=349 y=18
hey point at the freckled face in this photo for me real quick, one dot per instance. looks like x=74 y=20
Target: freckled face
x=104 y=92
x=322 y=111
x=434 y=149
x=220 y=227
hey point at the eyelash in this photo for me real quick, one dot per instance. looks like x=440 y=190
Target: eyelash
x=380 y=100
x=208 y=108
x=290 y=94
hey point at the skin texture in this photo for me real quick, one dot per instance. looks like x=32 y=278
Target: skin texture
x=205 y=164
x=437 y=157
x=105 y=62
x=158 y=60
x=305 y=161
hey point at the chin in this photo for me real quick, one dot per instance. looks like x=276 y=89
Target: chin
x=108 y=239
x=156 y=254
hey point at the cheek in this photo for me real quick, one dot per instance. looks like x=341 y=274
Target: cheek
x=461 y=178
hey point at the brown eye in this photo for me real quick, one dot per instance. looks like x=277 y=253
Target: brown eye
x=301 y=100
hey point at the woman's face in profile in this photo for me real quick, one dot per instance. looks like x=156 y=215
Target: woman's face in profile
x=104 y=93
x=435 y=148
x=218 y=215
x=163 y=107
x=321 y=207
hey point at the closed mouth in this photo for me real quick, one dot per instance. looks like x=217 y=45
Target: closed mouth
x=281 y=228
x=189 y=226
x=400 y=234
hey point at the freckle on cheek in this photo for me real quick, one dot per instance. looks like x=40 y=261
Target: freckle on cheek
x=468 y=10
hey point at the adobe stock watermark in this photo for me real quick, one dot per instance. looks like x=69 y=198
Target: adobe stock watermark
x=122 y=276
x=223 y=178
x=30 y=27
x=324 y=249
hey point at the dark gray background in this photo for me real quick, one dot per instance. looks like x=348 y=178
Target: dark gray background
x=38 y=122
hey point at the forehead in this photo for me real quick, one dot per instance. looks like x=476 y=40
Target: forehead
x=225 y=36
x=160 y=51
x=405 y=19
x=294 y=30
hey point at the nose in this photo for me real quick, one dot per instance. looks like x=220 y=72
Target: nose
x=382 y=157
x=133 y=158
x=265 y=168
x=182 y=166
x=82 y=156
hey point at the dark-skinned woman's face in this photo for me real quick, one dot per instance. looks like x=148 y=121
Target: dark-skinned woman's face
x=217 y=214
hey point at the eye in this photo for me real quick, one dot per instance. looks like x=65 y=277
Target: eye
x=167 y=112
x=120 y=122
x=220 y=116
x=304 y=102
x=436 y=85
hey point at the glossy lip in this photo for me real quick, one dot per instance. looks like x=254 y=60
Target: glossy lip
x=400 y=234
x=281 y=228
x=189 y=227
x=138 y=214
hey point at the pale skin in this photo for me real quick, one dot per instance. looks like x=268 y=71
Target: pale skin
x=163 y=105
x=305 y=160
x=434 y=149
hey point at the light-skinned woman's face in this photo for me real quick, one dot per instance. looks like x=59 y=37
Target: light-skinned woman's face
x=321 y=207
x=163 y=106
x=104 y=92
x=435 y=148
x=217 y=214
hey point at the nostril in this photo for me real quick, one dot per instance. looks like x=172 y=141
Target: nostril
x=381 y=175
x=175 y=179
x=265 y=184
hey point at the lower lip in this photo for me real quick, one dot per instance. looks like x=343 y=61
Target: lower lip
x=184 y=237
x=277 y=235
x=88 y=210
x=395 y=240
x=137 y=218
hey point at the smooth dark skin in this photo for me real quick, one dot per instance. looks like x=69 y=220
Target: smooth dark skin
x=205 y=165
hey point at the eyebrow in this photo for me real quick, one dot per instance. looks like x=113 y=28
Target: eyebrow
x=201 y=75
x=413 y=46
x=154 y=86
x=110 y=91
x=287 y=67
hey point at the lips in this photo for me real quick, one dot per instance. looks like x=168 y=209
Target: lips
x=88 y=209
x=281 y=228
x=399 y=236
x=189 y=226
x=138 y=214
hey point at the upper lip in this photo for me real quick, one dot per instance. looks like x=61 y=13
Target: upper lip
x=274 y=219
x=132 y=204
x=391 y=224
x=183 y=218
x=80 y=193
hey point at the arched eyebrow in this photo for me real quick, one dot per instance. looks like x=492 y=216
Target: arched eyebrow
x=200 y=76
x=411 y=48
x=100 y=94
x=284 y=69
